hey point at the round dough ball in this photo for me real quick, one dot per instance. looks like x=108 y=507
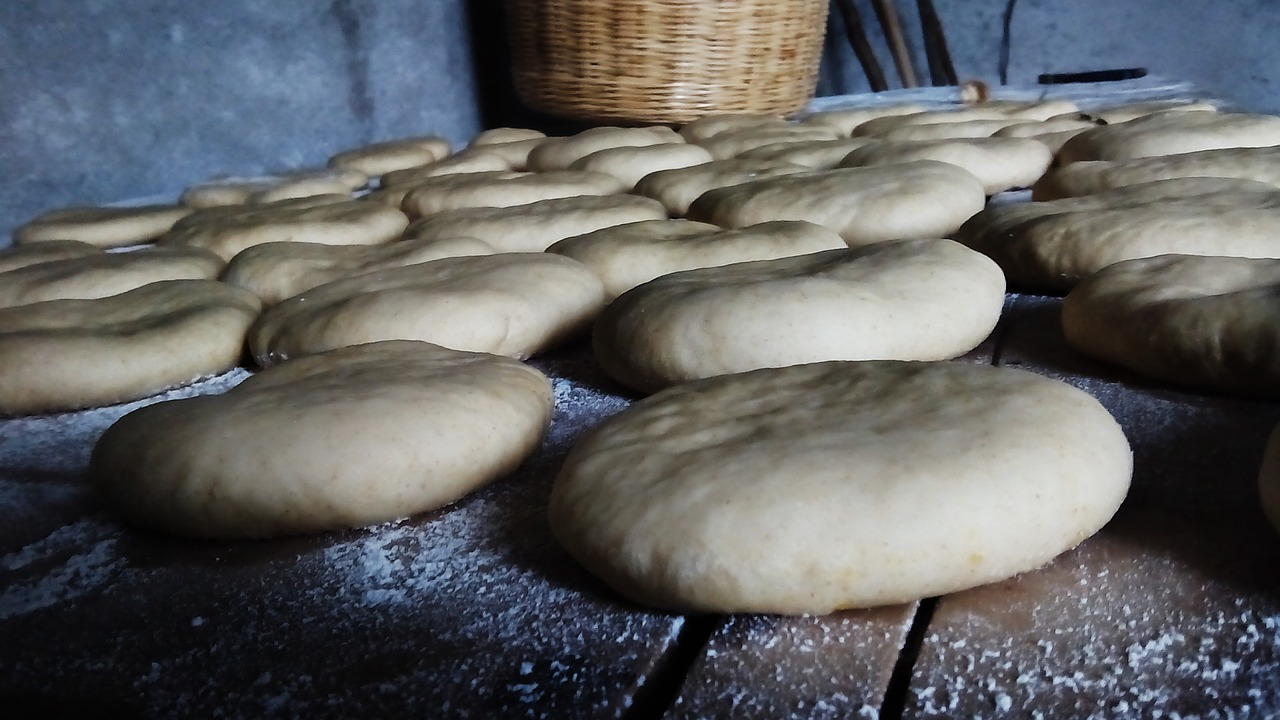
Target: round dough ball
x=906 y=300
x=815 y=488
x=1202 y=322
x=276 y=271
x=327 y=219
x=104 y=274
x=71 y=354
x=514 y=304
x=384 y=157
x=625 y=256
x=348 y=438
x=104 y=227
x=1172 y=133
x=1269 y=480
x=920 y=199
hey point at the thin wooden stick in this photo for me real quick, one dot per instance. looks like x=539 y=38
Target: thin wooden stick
x=941 y=70
x=888 y=16
x=857 y=34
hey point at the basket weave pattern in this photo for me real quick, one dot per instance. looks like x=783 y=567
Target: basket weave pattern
x=665 y=60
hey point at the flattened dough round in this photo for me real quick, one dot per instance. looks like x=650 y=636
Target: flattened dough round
x=104 y=227
x=918 y=199
x=1204 y=322
x=514 y=304
x=96 y=276
x=905 y=300
x=819 y=487
x=625 y=256
x=276 y=271
x=71 y=354
x=351 y=437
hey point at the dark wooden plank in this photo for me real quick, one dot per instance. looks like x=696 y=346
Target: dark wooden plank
x=1173 y=609
x=472 y=611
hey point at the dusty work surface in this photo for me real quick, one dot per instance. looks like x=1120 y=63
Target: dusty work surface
x=475 y=612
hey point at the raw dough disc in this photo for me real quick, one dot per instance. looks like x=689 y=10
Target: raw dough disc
x=1088 y=177
x=728 y=145
x=480 y=190
x=905 y=300
x=1269 y=480
x=1171 y=133
x=536 y=226
x=630 y=164
x=514 y=304
x=71 y=354
x=709 y=126
x=20 y=256
x=919 y=199
x=845 y=120
x=1000 y=163
x=276 y=271
x=1202 y=322
x=104 y=227
x=815 y=154
x=463 y=163
x=677 y=189
x=328 y=219
x=384 y=157
x=819 y=487
x=628 y=255
x=339 y=440
x=103 y=274
x=558 y=153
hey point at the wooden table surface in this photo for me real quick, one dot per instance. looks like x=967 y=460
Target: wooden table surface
x=474 y=611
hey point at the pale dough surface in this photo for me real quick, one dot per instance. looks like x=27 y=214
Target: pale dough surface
x=730 y=144
x=558 y=153
x=906 y=300
x=393 y=195
x=1269 y=480
x=625 y=256
x=538 y=225
x=328 y=219
x=918 y=199
x=814 y=488
x=384 y=157
x=1017 y=111
x=629 y=164
x=20 y=256
x=1203 y=322
x=105 y=227
x=104 y=274
x=845 y=120
x=1172 y=133
x=294 y=183
x=950 y=130
x=1088 y=177
x=276 y=271
x=467 y=161
x=816 y=154
x=514 y=152
x=709 y=126
x=70 y=354
x=1000 y=164
x=677 y=189
x=514 y=304
x=1049 y=247
x=478 y=190
x=1114 y=114
x=340 y=440
x=502 y=135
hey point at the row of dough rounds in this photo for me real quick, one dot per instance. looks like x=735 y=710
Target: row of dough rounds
x=805 y=260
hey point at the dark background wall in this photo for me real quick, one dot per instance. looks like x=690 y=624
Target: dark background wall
x=102 y=100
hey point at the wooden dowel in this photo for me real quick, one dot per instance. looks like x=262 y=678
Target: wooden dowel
x=887 y=14
x=857 y=35
x=941 y=70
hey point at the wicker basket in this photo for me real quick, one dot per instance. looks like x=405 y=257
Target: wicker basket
x=665 y=61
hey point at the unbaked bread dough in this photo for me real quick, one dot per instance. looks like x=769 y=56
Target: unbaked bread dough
x=467 y=161
x=71 y=354
x=1063 y=123
x=536 y=226
x=625 y=256
x=394 y=195
x=384 y=157
x=348 y=438
x=276 y=271
x=1087 y=177
x=1049 y=247
x=105 y=227
x=514 y=152
x=1269 y=480
x=1172 y=133
x=269 y=188
x=729 y=145
x=1204 y=322
x=950 y=130
x=845 y=120
x=478 y=190
x=104 y=274
x=514 y=304
x=917 y=199
x=1114 y=114
x=629 y=164
x=503 y=135
x=300 y=188
x=809 y=489
x=905 y=300
x=709 y=126
x=677 y=189
x=20 y=256
x=816 y=154
x=328 y=219
x=995 y=110
x=1000 y=164
x=558 y=153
